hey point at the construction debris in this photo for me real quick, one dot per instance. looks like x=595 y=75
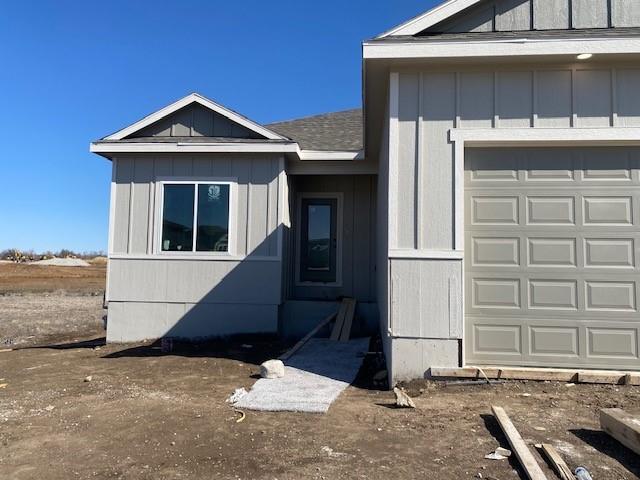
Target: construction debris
x=556 y=461
x=88 y=378
x=242 y=415
x=622 y=426
x=272 y=369
x=523 y=454
x=402 y=399
x=498 y=454
x=236 y=395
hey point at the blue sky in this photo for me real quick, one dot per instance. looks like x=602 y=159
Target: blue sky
x=74 y=71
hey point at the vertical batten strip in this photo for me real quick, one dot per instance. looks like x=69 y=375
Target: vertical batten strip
x=457 y=100
x=496 y=120
x=534 y=98
x=459 y=194
x=394 y=93
x=419 y=240
x=574 y=114
x=132 y=173
x=614 y=98
x=151 y=208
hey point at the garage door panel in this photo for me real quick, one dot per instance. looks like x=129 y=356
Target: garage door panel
x=494 y=210
x=495 y=251
x=551 y=210
x=609 y=252
x=551 y=276
x=496 y=293
x=552 y=252
x=610 y=295
x=553 y=294
x=600 y=210
x=612 y=342
x=554 y=341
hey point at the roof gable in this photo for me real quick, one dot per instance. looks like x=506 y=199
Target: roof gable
x=437 y=14
x=196 y=116
x=466 y=16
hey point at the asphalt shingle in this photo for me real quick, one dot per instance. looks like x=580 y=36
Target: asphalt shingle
x=329 y=131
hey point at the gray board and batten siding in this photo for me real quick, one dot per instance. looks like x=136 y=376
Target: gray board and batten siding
x=357 y=214
x=428 y=104
x=153 y=294
x=523 y=15
x=552 y=237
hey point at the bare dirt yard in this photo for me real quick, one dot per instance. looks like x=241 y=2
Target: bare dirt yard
x=146 y=414
x=45 y=304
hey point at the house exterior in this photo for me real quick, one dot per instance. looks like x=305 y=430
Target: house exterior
x=483 y=208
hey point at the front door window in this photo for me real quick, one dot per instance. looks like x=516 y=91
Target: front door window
x=318 y=240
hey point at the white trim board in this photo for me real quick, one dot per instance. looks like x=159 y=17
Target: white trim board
x=490 y=137
x=500 y=48
x=430 y=18
x=176 y=147
x=205 y=102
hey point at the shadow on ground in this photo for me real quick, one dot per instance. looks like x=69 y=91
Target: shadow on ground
x=610 y=447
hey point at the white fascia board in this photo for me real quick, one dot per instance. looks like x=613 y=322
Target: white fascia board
x=330 y=155
x=491 y=137
x=205 y=102
x=430 y=18
x=193 y=147
x=500 y=48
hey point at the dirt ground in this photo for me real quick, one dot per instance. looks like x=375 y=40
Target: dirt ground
x=146 y=414
x=20 y=278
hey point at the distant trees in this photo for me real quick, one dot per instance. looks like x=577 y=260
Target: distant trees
x=20 y=256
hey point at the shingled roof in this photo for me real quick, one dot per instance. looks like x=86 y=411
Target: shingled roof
x=337 y=131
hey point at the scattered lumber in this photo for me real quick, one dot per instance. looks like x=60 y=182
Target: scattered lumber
x=558 y=464
x=622 y=426
x=306 y=338
x=519 y=447
x=530 y=373
x=348 y=320
x=337 y=328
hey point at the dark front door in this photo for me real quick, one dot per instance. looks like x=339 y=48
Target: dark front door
x=318 y=240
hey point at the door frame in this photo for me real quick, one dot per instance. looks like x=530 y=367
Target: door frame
x=339 y=197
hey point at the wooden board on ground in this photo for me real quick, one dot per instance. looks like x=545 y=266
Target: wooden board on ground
x=530 y=373
x=348 y=320
x=622 y=426
x=306 y=338
x=524 y=455
x=337 y=328
x=558 y=464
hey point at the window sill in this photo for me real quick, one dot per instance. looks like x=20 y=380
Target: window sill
x=194 y=257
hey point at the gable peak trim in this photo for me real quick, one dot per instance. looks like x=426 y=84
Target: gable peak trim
x=430 y=18
x=205 y=102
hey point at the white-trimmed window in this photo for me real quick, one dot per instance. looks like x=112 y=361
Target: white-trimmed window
x=195 y=216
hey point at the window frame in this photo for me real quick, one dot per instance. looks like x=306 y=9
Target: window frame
x=159 y=213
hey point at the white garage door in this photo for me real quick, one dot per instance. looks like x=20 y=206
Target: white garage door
x=551 y=257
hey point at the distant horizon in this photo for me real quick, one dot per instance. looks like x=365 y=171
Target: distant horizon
x=75 y=72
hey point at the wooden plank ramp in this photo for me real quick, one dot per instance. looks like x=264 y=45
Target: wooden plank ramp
x=342 y=311
x=306 y=338
x=622 y=426
x=348 y=320
x=518 y=445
